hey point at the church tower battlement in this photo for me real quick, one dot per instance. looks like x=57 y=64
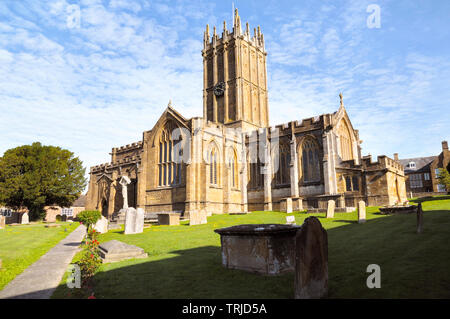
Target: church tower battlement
x=235 y=77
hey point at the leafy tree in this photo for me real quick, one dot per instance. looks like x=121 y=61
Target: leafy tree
x=34 y=176
x=444 y=178
x=89 y=217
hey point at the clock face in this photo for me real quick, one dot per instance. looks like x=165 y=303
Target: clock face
x=219 y=89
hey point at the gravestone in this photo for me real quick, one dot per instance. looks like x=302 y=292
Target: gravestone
x=311 y=260
x=114 y=250
x=290 y=220
x=25 y=219
x=2 y=221
x=419 y=218
x=198 y=218
x=330 y=208
x=101 y=225
x=361 y=212
x=134 y=221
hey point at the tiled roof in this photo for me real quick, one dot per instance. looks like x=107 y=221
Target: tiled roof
x=80 y=202
x=422 y=163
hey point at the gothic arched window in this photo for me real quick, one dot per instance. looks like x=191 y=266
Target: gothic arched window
x=213 y=167
x=345 y=141
x=309 y=161
x=169 y=172
x=233 y=170
x=283 y=173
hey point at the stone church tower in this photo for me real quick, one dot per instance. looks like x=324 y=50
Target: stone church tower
x=235 y=77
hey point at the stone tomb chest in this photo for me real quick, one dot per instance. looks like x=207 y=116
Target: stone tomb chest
x=261 y=248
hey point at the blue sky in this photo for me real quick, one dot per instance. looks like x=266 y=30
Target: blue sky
x=101 y=85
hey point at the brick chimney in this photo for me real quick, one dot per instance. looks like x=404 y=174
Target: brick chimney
x=396 y=157
x=444 y=146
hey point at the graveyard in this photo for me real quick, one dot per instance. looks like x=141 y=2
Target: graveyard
x=22 y=245
x=185 y=261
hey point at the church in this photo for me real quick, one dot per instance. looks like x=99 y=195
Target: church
x=231 y=160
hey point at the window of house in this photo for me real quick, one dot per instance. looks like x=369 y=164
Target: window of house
x=441 y=188
x=67 y=212
x=411 y=165
x=426 y=176
x=436 y=172
x=415 y=180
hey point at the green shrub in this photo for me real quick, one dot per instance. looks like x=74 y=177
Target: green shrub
x=89 y=217
x=58 y=218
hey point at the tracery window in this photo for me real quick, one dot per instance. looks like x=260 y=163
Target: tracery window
x=310 y=162
x=169 y=172
x=345 y=141
x=213 y=167
x=233 y=170
x=282 y=175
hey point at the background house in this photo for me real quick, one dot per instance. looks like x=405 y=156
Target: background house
x=421 y=172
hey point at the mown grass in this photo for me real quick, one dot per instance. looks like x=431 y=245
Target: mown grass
x=22 y=245
x=185 y=261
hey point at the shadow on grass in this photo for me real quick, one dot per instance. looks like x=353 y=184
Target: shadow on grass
x=430 y=198
x=412 y=266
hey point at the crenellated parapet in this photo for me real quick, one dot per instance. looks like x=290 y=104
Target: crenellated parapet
x=383 y=163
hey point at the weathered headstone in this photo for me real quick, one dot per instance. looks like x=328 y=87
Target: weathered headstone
x=361 y=212
x=101 y=225
x=311 y=260
x=419 y=218
x=25 y=219
x=290 y=220
x=134 y=221
x=2 y=221
x=198 y=217
x=330 y=208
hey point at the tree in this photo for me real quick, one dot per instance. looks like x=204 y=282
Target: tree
x=34 y=176
x=444 y=178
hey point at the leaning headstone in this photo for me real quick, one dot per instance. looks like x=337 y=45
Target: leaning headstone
x=25 y=219
x=311 y=260
x=290 y=220
x=2 y=221
x=101 y=225
x=330 y=208
x=361 y=212
x=419 y=218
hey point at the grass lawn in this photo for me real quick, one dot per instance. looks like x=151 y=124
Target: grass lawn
x=22 y=245
x=185 y=261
